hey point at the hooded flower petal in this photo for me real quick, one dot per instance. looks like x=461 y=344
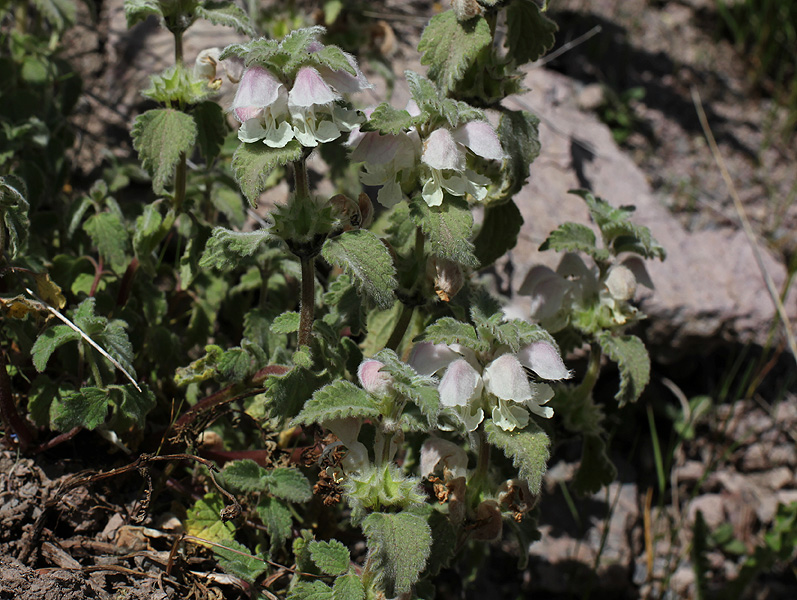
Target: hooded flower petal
x=543 y=358
x=309 y=88
x=347 y=430
x=441 y=151
x=481 y=138
x=505 y=378
x=343 y=81
x=258 y=89
x=427 y=358
x=621 y=283
x=374 y=380
x=460 y=384
x=547 y=290
x=436 y=450
x=542 y=392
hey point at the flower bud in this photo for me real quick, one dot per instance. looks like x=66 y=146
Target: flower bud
x=347 y=210
x=621 y=283
x=366 y=210
x=373 y=380
x=448 y=279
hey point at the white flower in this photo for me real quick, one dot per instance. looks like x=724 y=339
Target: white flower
x=389 y=162
x=501 y=386
x=261 y=105
x=444 y=152
x=347 y=430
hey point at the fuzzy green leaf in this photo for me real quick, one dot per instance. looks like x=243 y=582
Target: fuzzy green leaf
x=528 y=449
x=252 y=164
x=177 y=86
x=277 y=519
x=618 y=232
x=225 y=248
x=15 y=209
x=288 y=393
x=449 y=47
x=110 y=237
x=348 y=587
x=159 y=137
x=367 y=260
x=519 y=132
x=229 y=203
x=498 y=233
x=399 y=545
x=236 y=365
x=286 y=323
x=631 y=356
x=575 y=237
x=139 y=10
x=331 y=557
x=134 y=405
x=234 y=558
x=336 y=401
x=448 y=228
x=48 y=342
x=226 y=14
x=288 y=484
x=245 y=476
x=420 y=390
x=450 y=331
x=147 y=234
x=333 y=58
x=211 y=129
x=113 y=339
x=311 y=590
x=530 y=34
x=387 y=120
x=258 y=51
x=423 y=91
x=85 y=408
x=204 y=520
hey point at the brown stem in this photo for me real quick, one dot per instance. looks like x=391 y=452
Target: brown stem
x=307 y=307
x=13 y=421
x=98 y=268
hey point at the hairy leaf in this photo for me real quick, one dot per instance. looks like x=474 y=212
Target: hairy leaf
x=203 y=520
x=387 y=120
x=252 y=164
x=519 y=133
x=399 y=545
x=449 y=47
x=311 y=590
x=336 y=401
x=530 y=34
x=450 y=331
x=448 y=228
x=86 y=408
x=160 y=136
x=277 y=519
x=134 y=405
x=631 y=356
x=286 y=323
x=110 y=237
x=528 y=449
x=574 y=237
x=227 y=14
x=348 y=587
x=211 y=128
x=245 y=476
x=234 y=558
x=498 y=233
x=226 y=247
x=15 y=209
x=367 y=260
x=138 y=10
x=48 y=342
x=288 y=484
x=331 y=557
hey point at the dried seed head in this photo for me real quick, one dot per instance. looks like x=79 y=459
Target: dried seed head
x=448 y=279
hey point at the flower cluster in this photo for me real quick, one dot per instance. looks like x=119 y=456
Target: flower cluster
x=473 y=384
x=575 y=288
x=391 y=161
x=311 y=111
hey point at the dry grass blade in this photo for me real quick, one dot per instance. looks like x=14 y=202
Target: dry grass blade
x=90 y=341
x=748 y=230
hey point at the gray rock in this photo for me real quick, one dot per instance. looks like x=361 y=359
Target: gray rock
x=711 y=505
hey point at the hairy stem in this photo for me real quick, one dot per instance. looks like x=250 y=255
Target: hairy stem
x=591 y=376
x=301 y=181
x=307 y=305
x=178 y=45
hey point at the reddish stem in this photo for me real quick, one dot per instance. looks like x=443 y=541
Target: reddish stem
x=13 y=421
x=98 y=267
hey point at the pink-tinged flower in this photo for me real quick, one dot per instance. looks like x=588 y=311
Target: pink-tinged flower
x=445 y=153
x=373 y=380
x=261 y=105
x=390 y=162
x=472 y=384
x=447 y=456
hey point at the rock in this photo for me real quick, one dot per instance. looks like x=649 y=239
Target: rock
x=682 y=581
x=590 y=97
x=712 y=507
x=756 y=458
x=708 y=290
x=690 y=472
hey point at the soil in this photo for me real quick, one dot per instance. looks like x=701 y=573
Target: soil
x=65 y=534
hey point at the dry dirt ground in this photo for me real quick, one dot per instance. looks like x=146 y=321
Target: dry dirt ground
x=64 y=534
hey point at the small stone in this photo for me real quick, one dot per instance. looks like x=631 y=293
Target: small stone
x=786 y=496
x=590 y=97
x=712 y=507
x=756 y=458
x=690 y=472
x=682 y=581
x=784 y=455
